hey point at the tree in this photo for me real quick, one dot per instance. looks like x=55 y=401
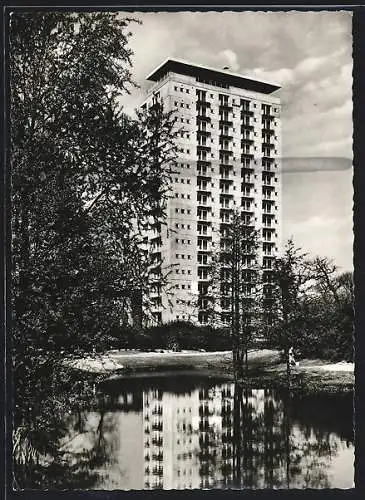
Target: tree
x=235 y=285
x=85 y=177
x=291 y=281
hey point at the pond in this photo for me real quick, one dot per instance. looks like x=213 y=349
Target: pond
x=186 y=433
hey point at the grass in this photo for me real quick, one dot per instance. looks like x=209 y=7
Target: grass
x=265 y=369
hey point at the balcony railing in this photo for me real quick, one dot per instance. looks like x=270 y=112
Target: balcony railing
x=203 y=133
x=202 y=116
x=268 y=197
x=224 y=106
x=224 y=150
x=203 y=103
x=245 y=141
x=203 y=147
x=225 y=137
x=268 y=183
x=224 y=121
x=268 y=145
x=267 y=116
x=203 y=163
x=246 y=126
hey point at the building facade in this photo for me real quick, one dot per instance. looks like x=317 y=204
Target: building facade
x=229 y=152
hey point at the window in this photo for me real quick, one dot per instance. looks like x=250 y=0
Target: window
x=187 y=91
x=188 y=196
x=187 y=181
x=175 y=88
x=189 y=257
x=188 y=121
x=188 y=106
x=182 y=181
x=177 y=255
x=188 y=151
x=183 y=287
x=176 y=210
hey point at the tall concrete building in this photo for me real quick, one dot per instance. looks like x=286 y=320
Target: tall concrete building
x=229 y=160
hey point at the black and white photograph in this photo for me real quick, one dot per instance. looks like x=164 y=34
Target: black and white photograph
x=182 y=293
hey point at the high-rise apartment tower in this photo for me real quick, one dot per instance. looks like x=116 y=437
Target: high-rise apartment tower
x=229 y=160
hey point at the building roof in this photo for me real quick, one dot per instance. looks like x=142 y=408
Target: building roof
x=211 y=74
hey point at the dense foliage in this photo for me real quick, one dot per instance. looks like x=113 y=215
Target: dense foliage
x=85 y=179
x=312 y=307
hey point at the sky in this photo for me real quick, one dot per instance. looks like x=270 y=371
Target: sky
x=309 y=54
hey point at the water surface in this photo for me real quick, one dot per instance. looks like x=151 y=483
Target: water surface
x=179 y=433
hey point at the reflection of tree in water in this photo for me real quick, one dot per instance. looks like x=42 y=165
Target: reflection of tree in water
x=267 y=448
x=52 y=446
x=272 y=453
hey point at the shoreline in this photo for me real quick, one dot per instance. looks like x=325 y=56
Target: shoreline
x=264 y=368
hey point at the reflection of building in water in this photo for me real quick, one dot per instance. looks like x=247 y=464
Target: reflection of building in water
x=215 y=412
x=170 y=440
x=187 y=437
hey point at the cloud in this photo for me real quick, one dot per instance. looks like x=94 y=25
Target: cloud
x=310 y=55
x=230 y=58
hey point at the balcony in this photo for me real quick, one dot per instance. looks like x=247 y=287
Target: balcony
x=246 y=126
x=202 y=116
x=246 y=112
x=225 y=122
x=225 y=165
x=225 y=137
x=203 y=163
x=202 y=103
x=246 y=141
x=204 y=174
x=224 y=150
x=247 y=183
x=203 y=203
x=245 y=156
x=268 y=145
x=224 y=106
x=203 y=133
x=269 y=167
x=267 y=157
x=203 y=220
x=267 y=116
x=203 y=187
x=203 y=147
x=268 y=183
x=246 y=169
x=268 y=197
x=267 y=131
